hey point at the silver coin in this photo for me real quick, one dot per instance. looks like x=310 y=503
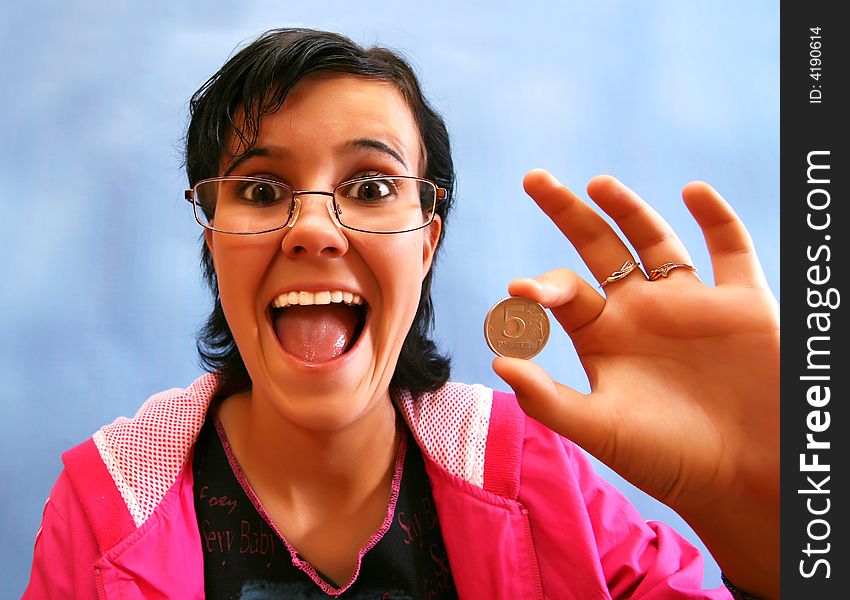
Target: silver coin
x=516 y=327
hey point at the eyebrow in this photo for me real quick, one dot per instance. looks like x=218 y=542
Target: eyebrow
x=362 y=143
x=245 y=156
x=373 y=144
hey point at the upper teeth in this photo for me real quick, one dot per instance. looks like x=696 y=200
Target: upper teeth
x=310 y=298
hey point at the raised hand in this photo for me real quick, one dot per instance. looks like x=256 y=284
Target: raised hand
x=684 y=376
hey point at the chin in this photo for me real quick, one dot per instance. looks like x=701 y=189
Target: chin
x=318 y=410
x=322 y=396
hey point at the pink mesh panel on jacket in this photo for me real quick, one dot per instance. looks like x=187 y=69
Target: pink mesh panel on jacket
x=145 y=454
x=451 y=426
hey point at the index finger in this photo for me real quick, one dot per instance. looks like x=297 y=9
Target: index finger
x=599 y=246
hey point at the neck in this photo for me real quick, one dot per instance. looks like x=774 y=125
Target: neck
x=311 y=470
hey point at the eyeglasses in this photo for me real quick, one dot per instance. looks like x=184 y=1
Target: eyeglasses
x=250 y=205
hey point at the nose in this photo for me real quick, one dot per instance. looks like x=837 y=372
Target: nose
x=313 y=231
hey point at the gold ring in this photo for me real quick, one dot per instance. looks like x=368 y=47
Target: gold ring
x=665 y=269
x=627 y=268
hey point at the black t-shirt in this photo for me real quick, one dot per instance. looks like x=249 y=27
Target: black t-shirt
x=245 y=557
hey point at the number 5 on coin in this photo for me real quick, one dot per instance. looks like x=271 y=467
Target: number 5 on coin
x=516 y=327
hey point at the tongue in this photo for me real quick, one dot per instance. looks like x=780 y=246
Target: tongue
x=316 y=333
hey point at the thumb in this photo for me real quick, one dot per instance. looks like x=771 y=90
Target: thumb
x=558 y=407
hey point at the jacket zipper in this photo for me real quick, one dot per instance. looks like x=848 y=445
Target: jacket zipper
x=532 y=553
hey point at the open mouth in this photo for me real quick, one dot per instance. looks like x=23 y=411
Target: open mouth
x=318 y=327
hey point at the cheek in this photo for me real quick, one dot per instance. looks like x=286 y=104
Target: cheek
x=240 y=266
x=398 y=270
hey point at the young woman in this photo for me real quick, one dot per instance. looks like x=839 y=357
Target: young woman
x=327 y=453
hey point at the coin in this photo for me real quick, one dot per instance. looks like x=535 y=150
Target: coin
x=516 y=327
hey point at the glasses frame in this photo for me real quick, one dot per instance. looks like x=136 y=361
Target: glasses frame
x=440 y=195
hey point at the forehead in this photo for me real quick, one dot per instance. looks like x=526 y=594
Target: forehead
x=332 y=113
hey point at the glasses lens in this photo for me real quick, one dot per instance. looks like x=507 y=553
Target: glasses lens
x=237 y=205
x=386 y=204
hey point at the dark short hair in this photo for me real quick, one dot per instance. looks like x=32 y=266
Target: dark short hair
x=253 y=83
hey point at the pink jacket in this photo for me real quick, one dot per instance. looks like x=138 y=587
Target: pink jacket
x=521 y=511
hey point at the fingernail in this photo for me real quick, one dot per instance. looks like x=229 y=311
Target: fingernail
x=530 y=280
x=553 y=179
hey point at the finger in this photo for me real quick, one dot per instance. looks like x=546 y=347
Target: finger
x=597 y=243
x=558 y=407
x=733 y=256
x=650 y=235
x=573 y=302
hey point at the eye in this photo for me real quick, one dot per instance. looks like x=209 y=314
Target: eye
x=261 y=193
x=370 y=191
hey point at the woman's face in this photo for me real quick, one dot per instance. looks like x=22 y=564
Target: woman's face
x=324 y=366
